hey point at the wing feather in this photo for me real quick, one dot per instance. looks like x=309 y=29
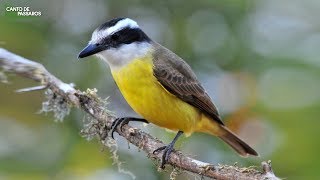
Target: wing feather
x=177 y=77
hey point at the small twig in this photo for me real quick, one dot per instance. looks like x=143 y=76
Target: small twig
x=13 y=63
x=35 y=88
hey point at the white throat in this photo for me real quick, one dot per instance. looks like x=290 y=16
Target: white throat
x=119 y=57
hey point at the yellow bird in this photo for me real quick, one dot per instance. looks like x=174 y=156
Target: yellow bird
x=158 y=85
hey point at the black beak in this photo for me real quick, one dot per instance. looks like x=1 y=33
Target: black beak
x=90 y=50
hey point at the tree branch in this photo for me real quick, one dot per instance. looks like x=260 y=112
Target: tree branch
x=91 y=104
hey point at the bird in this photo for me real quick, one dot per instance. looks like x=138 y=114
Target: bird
x=158 y=85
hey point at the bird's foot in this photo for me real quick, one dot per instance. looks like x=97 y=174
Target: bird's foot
x=167 y=150
x=166 y=153
x=122 y=121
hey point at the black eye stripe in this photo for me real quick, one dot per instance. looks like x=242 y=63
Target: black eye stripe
x=126 y=36
x=115 y=36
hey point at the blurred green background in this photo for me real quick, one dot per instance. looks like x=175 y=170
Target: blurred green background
x=258 y=60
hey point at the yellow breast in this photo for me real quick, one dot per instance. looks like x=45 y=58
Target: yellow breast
x=148 y=98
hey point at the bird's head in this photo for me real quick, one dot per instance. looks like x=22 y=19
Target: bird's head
x=118 y=42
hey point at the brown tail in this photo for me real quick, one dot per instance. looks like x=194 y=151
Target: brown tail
x=236 y=143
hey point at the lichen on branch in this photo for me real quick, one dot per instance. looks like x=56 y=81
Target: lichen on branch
x=56 y=104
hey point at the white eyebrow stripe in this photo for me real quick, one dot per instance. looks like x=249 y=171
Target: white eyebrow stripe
x=98 y=35
x=120 y=25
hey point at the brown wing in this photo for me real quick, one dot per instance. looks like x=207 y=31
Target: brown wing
x=177 y=77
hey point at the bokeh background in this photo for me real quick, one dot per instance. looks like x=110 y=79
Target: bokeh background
x=258 y=60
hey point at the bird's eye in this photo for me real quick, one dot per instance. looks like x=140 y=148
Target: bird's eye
x=98 y=44
x=114 y=37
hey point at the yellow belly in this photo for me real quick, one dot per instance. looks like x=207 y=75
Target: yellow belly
x=148 y=98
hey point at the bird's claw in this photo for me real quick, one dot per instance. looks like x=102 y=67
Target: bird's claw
x=121 y=122
x=166 y=154
x=116 y=123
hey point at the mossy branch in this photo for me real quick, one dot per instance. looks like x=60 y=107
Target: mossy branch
x=90 y=103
